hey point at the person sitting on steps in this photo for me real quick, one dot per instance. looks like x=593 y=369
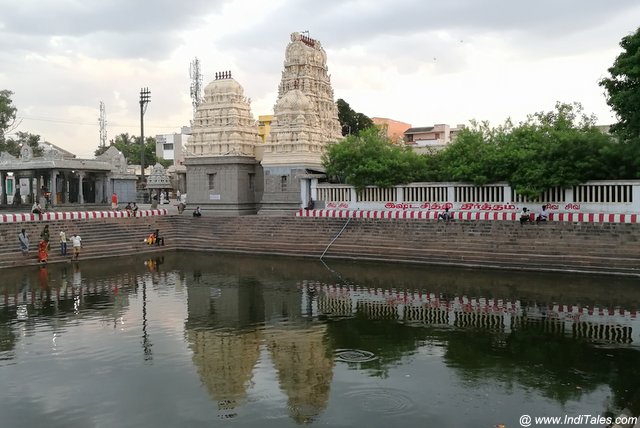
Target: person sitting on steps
x=197 y=212
x=544 y=215
x=446 y=215
x=525 y=216
x=37 y=209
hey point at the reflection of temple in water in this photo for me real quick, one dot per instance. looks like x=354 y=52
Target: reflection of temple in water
x=222 y=334
x=229 y=322
x=305 y=369
x=225 y=361
x=589 y=323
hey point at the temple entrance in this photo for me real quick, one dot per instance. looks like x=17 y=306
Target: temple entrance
x=89 y=191
x=74 y=187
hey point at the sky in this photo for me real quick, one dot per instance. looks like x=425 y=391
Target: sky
x=423 y=62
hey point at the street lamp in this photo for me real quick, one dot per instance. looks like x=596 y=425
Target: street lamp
x=145 y=97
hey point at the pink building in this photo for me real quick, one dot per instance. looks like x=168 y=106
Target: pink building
x=393 y=129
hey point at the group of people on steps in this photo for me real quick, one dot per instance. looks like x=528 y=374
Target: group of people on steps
x=44 y=244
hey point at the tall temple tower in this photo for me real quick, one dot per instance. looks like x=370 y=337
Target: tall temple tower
x=305 y=121
x=223 y=174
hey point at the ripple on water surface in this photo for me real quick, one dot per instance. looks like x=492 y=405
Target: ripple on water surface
x=381 y=400
x=354 y=356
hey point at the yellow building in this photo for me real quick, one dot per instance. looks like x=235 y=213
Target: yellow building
x=264 y=126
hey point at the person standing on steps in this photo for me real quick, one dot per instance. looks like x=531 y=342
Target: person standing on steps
x=63 y=243
x=158 y=240
x=23 y=238
x=114 y=201
x=43 y=252
x=44 y=235
x=76 y=241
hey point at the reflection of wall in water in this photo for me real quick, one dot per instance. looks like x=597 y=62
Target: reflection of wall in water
x=71 y=292
x=599 y=324
x=282 y=301
x=305 y=368
x=225 y=302
x=377 y=310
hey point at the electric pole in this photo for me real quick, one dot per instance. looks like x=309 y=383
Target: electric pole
x=145 y=97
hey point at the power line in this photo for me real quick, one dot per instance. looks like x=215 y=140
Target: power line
x=71 y=122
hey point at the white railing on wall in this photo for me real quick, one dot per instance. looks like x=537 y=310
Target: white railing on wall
x=603 y=193
x=376 y=194
x=488 y=193
x=621 y=196
x=555 y=194
x=420 y=192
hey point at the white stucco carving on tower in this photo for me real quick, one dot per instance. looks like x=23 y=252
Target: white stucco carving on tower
x=223 y=124
x=305 y=114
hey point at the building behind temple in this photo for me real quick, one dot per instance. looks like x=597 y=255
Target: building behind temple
x=232 y=169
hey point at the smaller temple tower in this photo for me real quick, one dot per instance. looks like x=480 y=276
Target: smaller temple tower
x=223 y=175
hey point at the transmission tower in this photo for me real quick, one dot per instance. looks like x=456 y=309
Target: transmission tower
x=196 y=84
x=102 y=120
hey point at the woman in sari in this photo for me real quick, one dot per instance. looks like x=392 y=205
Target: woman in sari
x=23 y=237
x=43 y=251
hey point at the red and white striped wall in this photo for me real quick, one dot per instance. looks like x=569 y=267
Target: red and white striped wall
x=469 y=215
x=77 y=215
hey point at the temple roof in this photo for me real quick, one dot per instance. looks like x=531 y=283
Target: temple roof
x=224 y=86
x=16 y=164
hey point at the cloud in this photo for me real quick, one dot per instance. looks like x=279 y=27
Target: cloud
x=338 y=22
x=102 y=29
x=419 y=61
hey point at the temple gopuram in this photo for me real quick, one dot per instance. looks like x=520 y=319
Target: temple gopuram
x=231 y=171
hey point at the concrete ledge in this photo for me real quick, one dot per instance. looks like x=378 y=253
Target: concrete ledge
x=77 y=215
x=469 y=215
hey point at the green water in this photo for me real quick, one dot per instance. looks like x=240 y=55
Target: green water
x=191 y=340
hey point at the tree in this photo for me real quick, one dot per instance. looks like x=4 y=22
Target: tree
x=562 y=147
x=13 y=145
x=7 y=114
x=351 y=121
x=129 y=146
x=623 y=89
x=371 y=159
